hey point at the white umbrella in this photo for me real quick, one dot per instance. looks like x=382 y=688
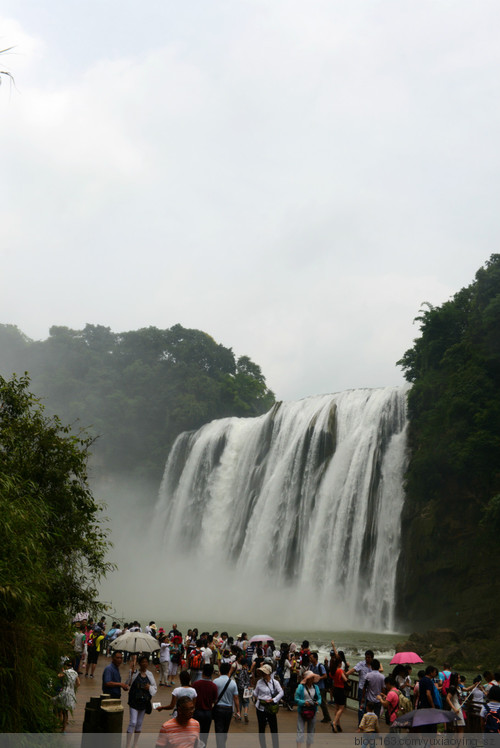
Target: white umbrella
x=262 y=638
x=135 y=641
x=80 y=617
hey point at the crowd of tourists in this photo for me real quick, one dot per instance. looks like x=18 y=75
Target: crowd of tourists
x=259 y=672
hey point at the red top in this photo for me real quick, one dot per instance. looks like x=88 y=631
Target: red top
x=207 y=693
x=338 y=681
x=393 y=699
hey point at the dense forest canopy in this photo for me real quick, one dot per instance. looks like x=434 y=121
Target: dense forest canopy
x=135 y=390
x=52 y=555
x=452 y=511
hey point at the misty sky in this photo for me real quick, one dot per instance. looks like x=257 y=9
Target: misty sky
x=294 y=178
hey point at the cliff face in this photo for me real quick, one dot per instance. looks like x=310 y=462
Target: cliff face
x=449 y=568
x=444 y=574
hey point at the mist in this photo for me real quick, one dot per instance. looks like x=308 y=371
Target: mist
x=270 y=518
x=158 y=583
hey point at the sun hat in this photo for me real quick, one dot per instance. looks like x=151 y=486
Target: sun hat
x=266 y=669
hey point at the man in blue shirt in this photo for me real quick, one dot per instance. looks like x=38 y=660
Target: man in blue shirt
x=223 y=709
x=111 y=679
x=426 y=699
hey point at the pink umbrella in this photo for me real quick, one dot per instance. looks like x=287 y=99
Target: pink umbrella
x=405 y=658
x=262 y=638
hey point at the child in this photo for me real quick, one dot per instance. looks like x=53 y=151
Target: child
x=369 y=723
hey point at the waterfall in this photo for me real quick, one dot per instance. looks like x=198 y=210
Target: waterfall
x=296 y=512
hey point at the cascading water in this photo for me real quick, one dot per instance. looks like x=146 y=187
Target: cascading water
x=297 y=511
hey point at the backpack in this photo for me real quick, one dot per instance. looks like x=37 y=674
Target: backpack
x=404 y=705
x=243 y=679
x=492 y=722
x=195 y=662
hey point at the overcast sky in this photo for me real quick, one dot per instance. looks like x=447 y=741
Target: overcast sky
x=294 y=178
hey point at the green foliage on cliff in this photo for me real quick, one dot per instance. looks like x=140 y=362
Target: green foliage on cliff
x=52 y=553
x=453 y=477
x=136 y=390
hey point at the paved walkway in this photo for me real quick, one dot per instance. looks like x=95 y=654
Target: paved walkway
x=287 y=721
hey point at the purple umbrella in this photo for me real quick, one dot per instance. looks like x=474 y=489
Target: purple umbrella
x=419 y=717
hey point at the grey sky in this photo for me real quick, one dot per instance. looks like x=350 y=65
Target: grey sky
x=294 y=178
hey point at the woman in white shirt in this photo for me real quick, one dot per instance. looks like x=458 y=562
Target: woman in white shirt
x=185 y=689
x=164 y=660
x=453 y=701
x=267 y=695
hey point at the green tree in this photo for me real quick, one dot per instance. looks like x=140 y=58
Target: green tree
x=137 y=390
x=453 y=479
x=52 y=554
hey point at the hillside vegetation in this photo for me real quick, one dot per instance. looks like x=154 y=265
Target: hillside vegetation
x=137 y=390
x=449 y=568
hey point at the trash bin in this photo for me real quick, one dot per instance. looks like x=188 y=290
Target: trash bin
x=112 y=715
x=104 y=716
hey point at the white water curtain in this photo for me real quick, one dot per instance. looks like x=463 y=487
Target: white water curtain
x=299 y=510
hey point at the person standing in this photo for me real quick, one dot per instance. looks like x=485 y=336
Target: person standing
x=318 y=669
x=426 y=696
x=490 y=712
x=267 y=695
x=183 y=690
x=227 y=696
x=369 y=724
x=65 y=700
x=453 y=702
x=92 y=654
x=111 y=678
x=249 y=652
x=175 y=658
x=362 y=668
x=195 y=661
x=390 y=701
x=243 y=682
x=206 y=696
x=174 y=631
x=164 y=660
x=142 y=689
x=373 y=687
x=307 y=697
x=339 y=692
x=78 y=644
x=208 y=654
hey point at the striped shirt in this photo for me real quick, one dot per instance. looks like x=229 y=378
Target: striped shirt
x=172 y=734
